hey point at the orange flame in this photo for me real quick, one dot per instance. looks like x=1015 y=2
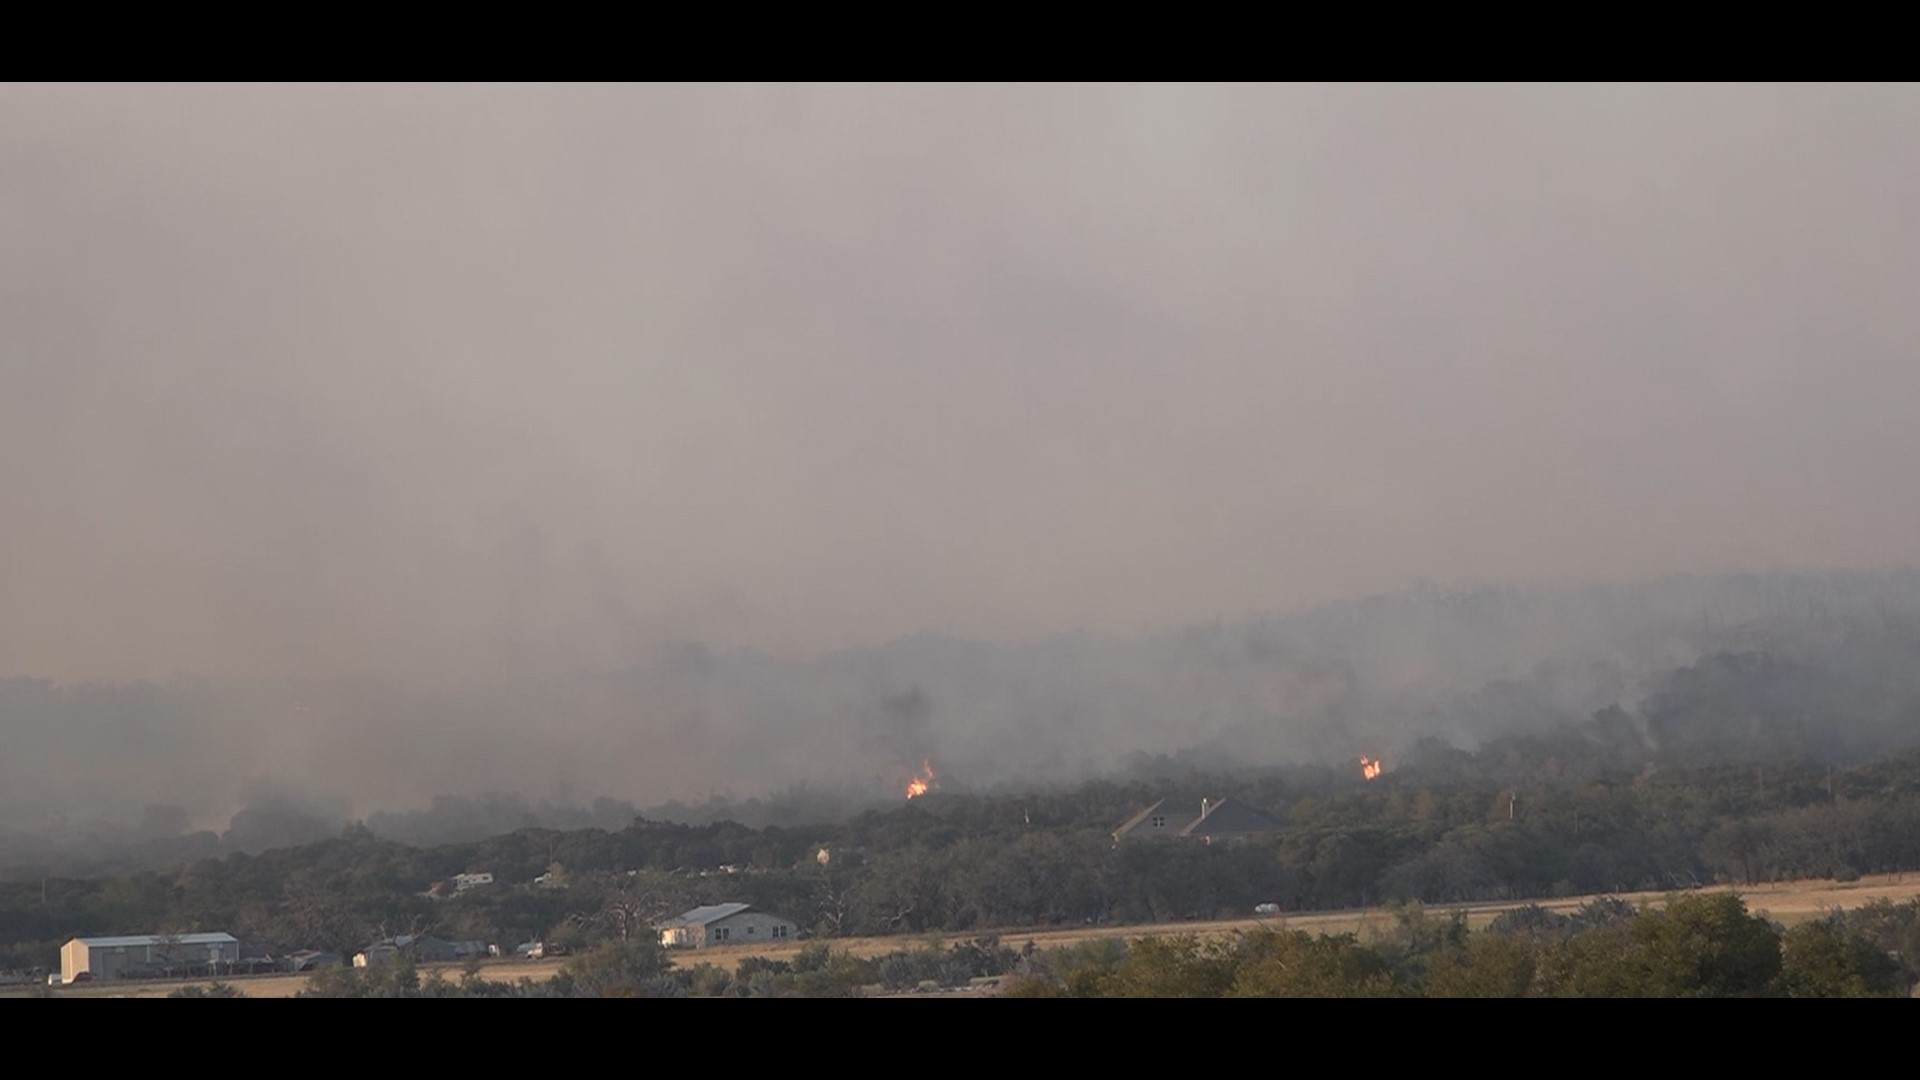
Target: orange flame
x=921 y=783
x=1370 y=767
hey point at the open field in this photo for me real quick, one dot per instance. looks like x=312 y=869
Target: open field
x=1785 y=902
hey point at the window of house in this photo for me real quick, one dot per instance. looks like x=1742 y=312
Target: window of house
x=1159 y=822
x=750 y=929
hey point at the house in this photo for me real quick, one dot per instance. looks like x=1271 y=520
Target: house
x=463 y=882
x=839 y=856
x=423 y=950
x=1206 y=820
x=146 y=954
x=724 y=924
x=254 y=959
x=312 y=960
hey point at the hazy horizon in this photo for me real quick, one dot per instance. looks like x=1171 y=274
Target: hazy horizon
x=411 y=381
x=657 y=440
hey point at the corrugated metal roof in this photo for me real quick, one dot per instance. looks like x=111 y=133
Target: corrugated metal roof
x=701 y=916
x=157 y=939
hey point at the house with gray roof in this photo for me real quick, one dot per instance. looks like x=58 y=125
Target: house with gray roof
x=1209 y=821
x=424 y=949
x=724 y=924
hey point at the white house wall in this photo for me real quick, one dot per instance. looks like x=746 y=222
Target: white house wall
x=745 y=928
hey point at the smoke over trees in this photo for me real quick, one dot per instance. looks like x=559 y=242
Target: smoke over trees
x=1694 y=670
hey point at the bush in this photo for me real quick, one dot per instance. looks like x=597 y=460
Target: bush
x=662 y=986
x=708 y=980
x=1603 y=911
x=334 y=982
x=756 y=965
x=217 y=990
x=616 y=969
x=813 y=956
x=1530 y=921
x=1033 y=986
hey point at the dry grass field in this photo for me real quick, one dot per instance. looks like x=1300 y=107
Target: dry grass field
x=1785 y=902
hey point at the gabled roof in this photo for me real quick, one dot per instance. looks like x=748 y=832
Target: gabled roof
x=1195 y=816
x=135 y=940
x=701 y=916
x=1228 y=816
x=408 y=941
x=1177 y=809
x=1133 y=822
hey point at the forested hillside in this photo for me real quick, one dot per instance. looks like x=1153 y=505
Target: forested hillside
x=106 y=778
x=1594 y=809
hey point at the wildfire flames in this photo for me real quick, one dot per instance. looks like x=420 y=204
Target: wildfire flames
x=1369 y=767
x=922 y=782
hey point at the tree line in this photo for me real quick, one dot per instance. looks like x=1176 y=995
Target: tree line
x=1697 y=945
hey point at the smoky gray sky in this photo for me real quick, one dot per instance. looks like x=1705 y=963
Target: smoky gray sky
x=395 y=379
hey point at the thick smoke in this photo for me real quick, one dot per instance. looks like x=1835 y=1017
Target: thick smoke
x=1373 y=676
x=361 y=445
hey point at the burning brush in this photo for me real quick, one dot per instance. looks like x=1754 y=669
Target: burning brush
x=922 y=782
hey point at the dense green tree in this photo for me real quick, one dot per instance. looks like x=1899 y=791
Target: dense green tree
x=1707 y=946
x=1173 y=966
x=1698 y=945
x=1822 y=960
x=1295 y=964
x=1892 y=928
x=615 y=969
x=1487 y=966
